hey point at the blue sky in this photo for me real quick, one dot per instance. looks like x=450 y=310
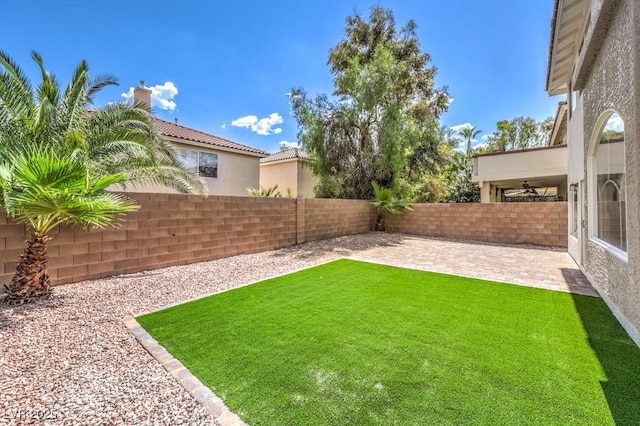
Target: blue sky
x=225 y=67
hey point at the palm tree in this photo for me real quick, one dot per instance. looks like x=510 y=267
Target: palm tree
x=385 y=201
x=118 y=137
x=469 y=133
x=44 y=189
x=58 y=155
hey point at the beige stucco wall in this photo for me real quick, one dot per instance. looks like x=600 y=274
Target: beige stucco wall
x=306 y=181
x=614 y=84
x=513 y=167
x=521 y=165
x=290 y=173
x=236 y=173
x=281 y=173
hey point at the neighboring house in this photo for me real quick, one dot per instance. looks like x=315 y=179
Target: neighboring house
x=536 y=171
x=289 y=169
x=594 y=59
x=228 y=168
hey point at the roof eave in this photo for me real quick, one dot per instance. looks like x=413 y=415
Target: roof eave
x=202 y=144
x=551 y=43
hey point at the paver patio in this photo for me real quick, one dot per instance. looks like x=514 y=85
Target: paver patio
x=530 y=266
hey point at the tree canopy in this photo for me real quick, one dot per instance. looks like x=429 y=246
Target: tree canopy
x=382 y=114
x=519 y=133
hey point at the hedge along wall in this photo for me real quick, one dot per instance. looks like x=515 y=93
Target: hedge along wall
x=542 y=224
x=171 y=230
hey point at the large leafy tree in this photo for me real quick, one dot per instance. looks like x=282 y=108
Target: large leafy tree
x=382 y=112
x=58 y=156
x=459 y=187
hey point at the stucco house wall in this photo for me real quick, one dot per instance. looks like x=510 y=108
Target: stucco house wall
x=236 y=173
x=289 y=169
x=306 y=181
x=281 y=173
x=613 y=84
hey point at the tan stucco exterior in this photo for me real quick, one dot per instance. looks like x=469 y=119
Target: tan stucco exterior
x=236 y=173
x=540 y=167
x=290 y=174
x=600 y=65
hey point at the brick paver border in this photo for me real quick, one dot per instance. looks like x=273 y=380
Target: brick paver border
x=221 y=414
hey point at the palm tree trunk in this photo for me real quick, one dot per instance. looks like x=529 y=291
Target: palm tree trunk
x=31 y=280
x=380 y=222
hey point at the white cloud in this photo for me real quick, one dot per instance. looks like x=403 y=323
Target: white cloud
x=459 y=127
x=289 y=144
x=450 y=100
x=161 y=95
x=615 y=123
x=480 y=145
x=224 y=126
x=485 y=138
x=246 y=121
x=263 y=126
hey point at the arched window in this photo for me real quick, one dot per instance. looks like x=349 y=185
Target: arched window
x=608 y=176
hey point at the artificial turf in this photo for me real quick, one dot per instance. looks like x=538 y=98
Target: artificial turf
x=351 y=342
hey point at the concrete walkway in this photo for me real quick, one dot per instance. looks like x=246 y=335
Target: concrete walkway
x=529 y=266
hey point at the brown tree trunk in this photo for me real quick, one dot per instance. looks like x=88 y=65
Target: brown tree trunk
x=380 y=222
x=31 y=280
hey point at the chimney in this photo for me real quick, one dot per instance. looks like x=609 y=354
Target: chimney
x=283 y=147
x=142 y=95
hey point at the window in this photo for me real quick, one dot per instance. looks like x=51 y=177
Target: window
x=208 y=165
x=608 y=180
x=203 y=163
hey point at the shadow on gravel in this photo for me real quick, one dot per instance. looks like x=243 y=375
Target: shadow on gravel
x=10 y=315
x=341 y=246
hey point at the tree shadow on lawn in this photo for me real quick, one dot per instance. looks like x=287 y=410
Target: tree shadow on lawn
x=618 y=355
x=342 y=246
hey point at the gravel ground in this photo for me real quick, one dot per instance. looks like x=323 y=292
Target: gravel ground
x=70 y=360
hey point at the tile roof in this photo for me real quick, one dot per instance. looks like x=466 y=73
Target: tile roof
x=186 y=133
x=286 y=155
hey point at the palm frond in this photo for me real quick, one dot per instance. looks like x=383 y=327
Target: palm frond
x=45 y=189
x=15 y=80
x=385 y=200
x=48 y=87
x=98 y=83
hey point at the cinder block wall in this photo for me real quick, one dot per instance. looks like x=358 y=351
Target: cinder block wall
x=325 y=218
x=543 y=224
x=172 y=230
x=167 y=230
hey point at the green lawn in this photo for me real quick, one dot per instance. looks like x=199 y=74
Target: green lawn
x=357 y=343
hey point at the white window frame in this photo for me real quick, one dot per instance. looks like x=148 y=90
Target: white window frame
x=592 y=183
x=196 y=166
